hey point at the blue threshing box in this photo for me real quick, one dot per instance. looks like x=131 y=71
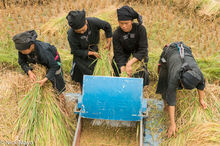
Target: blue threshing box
x=111 y=98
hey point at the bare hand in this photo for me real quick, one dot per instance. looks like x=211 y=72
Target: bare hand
x=172 y=130
x=122 y=69
x=129 y=70
x=31 y=75
x=41 y=82
x=202 y=103
x=94 y=54
x=201 y=97
x=108 y=46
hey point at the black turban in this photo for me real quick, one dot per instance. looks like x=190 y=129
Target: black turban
x=76 y=19
x=128 y=13
x=190 y=79
x=24 y=40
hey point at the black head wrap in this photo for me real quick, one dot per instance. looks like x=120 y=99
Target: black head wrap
x=76 y=19
x=24 y=40
x=190 y=79
x=128 y=13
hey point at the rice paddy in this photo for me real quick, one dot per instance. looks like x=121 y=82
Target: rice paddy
x=195 y=22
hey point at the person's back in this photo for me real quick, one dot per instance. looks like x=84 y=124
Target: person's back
x=178 y=69
x=174 y=64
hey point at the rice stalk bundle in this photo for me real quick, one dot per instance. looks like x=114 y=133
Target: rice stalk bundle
x=136 y=67
x=103 y=66
x=41 y=120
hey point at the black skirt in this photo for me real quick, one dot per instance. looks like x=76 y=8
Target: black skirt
x=163 y=81
x=82 y=67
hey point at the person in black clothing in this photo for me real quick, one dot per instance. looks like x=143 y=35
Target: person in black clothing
x=130 y=39
x=178 y=69
x=83 y=37
x=34 y=51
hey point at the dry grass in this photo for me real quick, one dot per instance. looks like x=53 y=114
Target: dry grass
x=12 y=84
x=9 y=3
x=164 y=25
x=195 y=125
x=167 y=26
x=208 y=9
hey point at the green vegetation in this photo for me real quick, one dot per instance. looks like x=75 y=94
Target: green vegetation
x=8 y=54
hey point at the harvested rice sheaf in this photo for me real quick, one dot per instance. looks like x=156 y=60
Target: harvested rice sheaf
x=103 y=66
x=41 y=120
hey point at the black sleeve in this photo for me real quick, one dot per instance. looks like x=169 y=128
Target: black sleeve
x=171 y=91
x=75 y=46
x=119 y=55
x=100 y=24
x=201 y=85
x=22 y=60
x=142 y=51
x=171 y=96
x=47 y=58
